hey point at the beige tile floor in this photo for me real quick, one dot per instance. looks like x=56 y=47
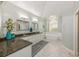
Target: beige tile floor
x=53 y=49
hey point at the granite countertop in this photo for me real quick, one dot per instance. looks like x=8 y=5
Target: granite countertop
x=13 y=46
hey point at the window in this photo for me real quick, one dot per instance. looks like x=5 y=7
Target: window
x=53 y=24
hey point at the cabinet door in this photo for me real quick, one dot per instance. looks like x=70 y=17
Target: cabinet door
x=25 y=52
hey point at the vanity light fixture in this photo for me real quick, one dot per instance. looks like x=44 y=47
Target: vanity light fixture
x=35 y=20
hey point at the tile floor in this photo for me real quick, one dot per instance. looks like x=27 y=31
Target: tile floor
x=53 y=49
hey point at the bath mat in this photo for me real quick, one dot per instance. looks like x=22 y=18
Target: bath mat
x=37 y=47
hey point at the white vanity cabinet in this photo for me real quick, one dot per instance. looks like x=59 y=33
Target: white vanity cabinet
x=24 y=52
x=34 y=38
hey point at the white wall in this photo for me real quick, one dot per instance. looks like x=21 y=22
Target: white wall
x=67 y=31
x=41 y=23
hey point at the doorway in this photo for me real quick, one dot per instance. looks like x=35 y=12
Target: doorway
x=76 y=33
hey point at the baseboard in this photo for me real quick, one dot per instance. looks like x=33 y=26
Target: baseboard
x=71 y=52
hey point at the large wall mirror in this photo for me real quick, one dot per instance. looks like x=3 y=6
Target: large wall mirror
x=35 y=24
x=22 y=25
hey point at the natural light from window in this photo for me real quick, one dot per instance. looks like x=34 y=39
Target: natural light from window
x=53 y=23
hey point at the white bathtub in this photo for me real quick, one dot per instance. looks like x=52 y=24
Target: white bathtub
x=53 y=36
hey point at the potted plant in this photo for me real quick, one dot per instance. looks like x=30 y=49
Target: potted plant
x=9 y=35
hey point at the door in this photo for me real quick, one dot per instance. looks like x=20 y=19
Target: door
x=76 y=34
x=78 y=31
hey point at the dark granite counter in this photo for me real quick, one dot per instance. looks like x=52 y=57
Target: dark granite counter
x=9 y=47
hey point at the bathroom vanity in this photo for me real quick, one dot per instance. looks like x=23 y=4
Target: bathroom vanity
x=33 y=37
x=21 y=46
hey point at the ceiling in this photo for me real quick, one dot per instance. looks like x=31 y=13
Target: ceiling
x=48 y=8
x=1 y=2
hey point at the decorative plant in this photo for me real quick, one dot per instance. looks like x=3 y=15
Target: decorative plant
x=10 y=25
x=9 y=34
